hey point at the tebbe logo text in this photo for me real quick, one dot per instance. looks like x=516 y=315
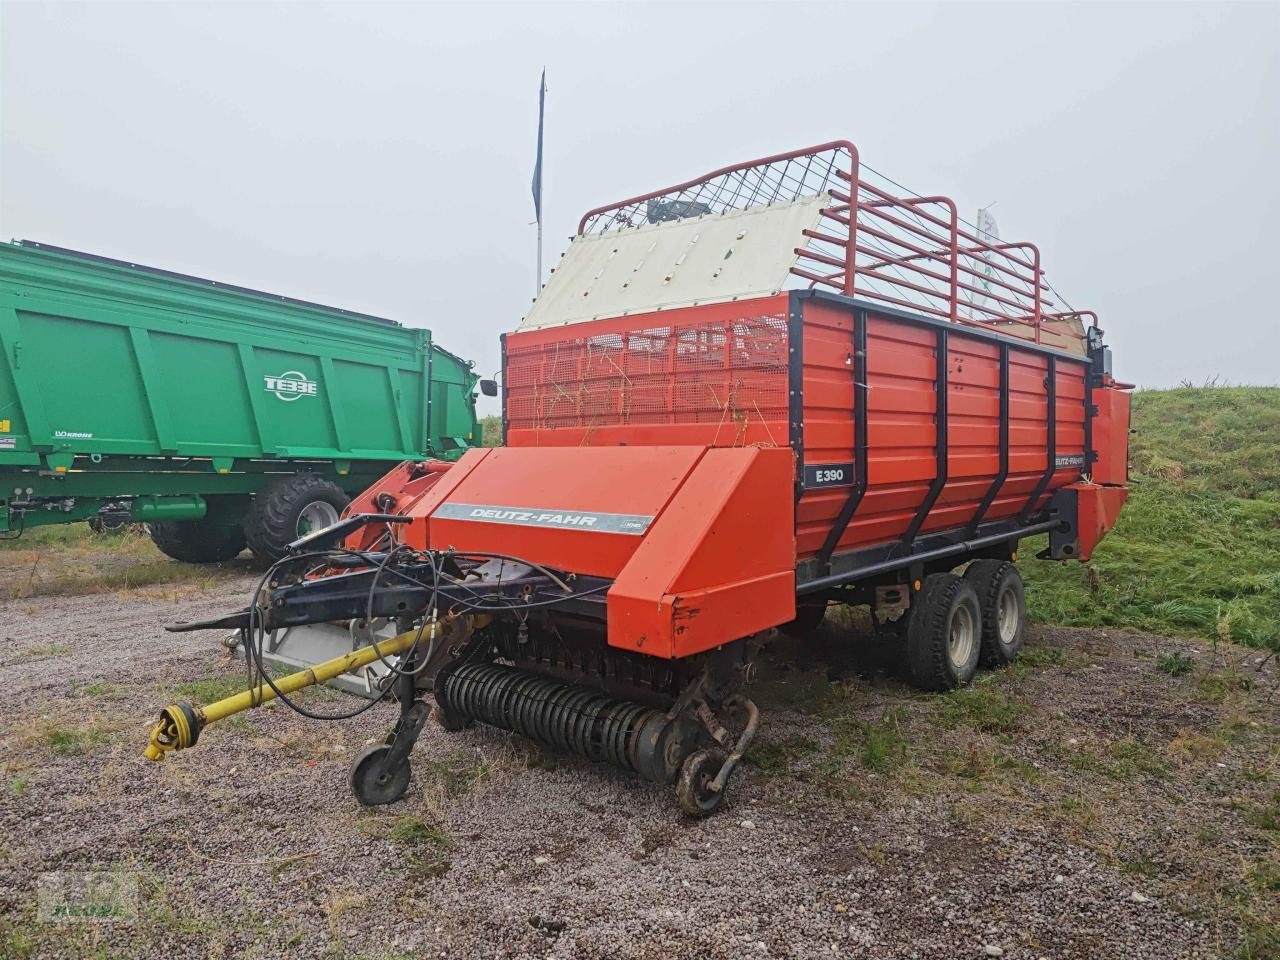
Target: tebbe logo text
x=291 y=385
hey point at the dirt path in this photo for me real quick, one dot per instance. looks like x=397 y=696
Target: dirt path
x=1084 y=804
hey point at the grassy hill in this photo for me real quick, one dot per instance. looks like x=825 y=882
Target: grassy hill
x=1197 y=548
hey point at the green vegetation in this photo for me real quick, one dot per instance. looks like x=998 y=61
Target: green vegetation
x=491 y=431
x=71 y=559
x=884 y=742
x=1195 y=550
x=980 y=707
x=208 y=690
x=16 y=943
x=75 y=740
x=412 y=832
x=425 y=846
x=1174 y=664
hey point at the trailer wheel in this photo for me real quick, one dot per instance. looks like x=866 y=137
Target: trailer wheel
x=693 y=789
x=944 y=633
x=214 y=538
x=1004 y=609
x=289 y=508
x=809 y=617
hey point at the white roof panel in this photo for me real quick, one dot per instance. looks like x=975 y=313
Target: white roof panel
x=709 y=259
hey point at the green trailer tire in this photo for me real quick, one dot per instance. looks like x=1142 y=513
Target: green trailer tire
x=214 y=538
x=288 y=508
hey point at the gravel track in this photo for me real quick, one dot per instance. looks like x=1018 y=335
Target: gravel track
x=1024 y=837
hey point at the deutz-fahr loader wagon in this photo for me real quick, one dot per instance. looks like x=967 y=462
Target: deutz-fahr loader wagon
x=216 y=414
x=739 y=400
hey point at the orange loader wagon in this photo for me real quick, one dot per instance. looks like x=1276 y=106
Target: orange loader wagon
x=780 y=386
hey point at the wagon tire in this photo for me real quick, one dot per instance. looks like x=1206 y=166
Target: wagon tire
x=214 y=538
x=808 y=619
x=944 y=633
x=288 y=508
x=1003 y=600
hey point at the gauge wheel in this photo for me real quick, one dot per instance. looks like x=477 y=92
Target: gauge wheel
x=693 y=789
x=372 y=782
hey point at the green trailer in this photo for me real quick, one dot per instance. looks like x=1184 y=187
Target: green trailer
x=220 y=416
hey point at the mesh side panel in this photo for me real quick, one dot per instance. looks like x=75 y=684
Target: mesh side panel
x=724 y=371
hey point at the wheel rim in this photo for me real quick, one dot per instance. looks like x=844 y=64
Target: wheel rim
x=1008 y=617
x=316 y=516
x=961 y=637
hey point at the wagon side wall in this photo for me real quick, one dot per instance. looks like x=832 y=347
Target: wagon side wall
x=909 y=363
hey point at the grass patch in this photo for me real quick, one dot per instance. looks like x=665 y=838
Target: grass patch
x=1194 y=550
x=1264 y=876
x=457 y=774
x=1175 y=664
x=70 y=559
x=1129 y=758
x=1218 y=686
x=1259 y=940
x=15 y=943
x=979 y=707
x=425 y=845
x=880 y=745
x=75 y=741
x=412 y=832
x=1190 y=745
x=1042 y=656
x=779 y=757
x=208 y=689
x=97 y=690
x=46 y=650
x=884 y=742
x=1265 y=816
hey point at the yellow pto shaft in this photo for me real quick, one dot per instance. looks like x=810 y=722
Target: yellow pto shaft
x=181 y=723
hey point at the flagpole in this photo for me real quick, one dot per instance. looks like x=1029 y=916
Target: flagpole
x=537 y=178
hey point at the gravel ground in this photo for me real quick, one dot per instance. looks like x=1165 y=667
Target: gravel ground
x=1084 y=804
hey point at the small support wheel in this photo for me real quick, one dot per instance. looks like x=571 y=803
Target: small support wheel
x=693 y=789
x=372 y=782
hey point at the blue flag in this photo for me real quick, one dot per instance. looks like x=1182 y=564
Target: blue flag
x=537 y=166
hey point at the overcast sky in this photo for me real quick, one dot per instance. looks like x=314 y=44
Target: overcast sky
x=378 y=157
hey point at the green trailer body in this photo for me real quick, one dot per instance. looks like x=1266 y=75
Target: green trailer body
x=135 y=391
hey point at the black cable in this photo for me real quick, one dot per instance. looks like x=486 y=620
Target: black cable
x=255 y=634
